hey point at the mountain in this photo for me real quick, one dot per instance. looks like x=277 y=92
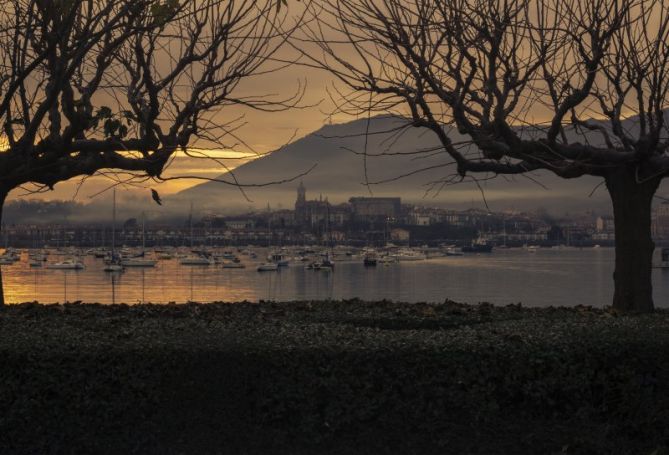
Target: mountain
x=336 y=153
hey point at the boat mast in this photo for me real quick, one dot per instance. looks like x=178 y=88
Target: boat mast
x=113 y=240
x=143 y=235
x=190 y=222
x=504 y=221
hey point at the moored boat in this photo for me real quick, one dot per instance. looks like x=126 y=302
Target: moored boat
x=453 y=251
x=268 y=267
x=387 y=260
x=409 y=255
x=67 y=264
x=279 y=259
x=113 y=267
x=196 y=260
x=370 y=260
x=5 y=260
x=478 y=246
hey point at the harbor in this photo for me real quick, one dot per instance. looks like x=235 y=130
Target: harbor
x=532 y=276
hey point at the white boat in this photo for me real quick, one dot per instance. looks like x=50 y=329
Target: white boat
x=228 y=255
x=386 y=260
x=10 y=256
x=279 y=259
x=409 y=255
x=111 y=259
x=67 y=264
x=195 y=260
x=453 y=251
x=268 y=267
x=100 y=253
x=139 y=260
x=327 y=263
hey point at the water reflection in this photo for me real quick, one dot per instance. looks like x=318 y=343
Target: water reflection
x=548 y=277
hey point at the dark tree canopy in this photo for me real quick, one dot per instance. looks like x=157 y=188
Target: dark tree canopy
x=488 y=68
x=89 y=86
x=116 y=88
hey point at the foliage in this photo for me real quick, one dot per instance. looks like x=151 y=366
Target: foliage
x=331 y=377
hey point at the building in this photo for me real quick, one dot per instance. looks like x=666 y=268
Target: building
x=282 y=219
x=400 y=235
x=375 y=208
x=240 y=225
x=605 y=224
x=319 y=213
x=660 y=225
x=310 y=213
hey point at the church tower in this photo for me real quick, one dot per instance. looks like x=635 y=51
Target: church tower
x=301 y=195
x=300 y=204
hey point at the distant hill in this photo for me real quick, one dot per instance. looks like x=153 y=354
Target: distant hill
x=337 y=152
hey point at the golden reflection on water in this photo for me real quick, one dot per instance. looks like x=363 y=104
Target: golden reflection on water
x=544 y=278
x=167 y=282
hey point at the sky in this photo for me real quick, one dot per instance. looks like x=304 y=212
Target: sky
x=262 y=132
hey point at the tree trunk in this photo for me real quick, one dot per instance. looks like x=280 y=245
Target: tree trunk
x=634 y=245
x=3 y=196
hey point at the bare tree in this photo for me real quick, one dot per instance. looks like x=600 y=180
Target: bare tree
x=118 y=87
x=598 y=71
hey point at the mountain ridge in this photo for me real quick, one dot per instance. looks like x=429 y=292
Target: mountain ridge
x=341 y=170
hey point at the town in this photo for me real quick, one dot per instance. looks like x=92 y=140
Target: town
x=361 y=221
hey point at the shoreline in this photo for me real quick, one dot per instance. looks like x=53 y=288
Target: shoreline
x=331 y=377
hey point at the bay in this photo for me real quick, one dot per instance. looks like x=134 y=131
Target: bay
x=549 y=277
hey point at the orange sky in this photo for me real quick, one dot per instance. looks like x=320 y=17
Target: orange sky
x=263 y=132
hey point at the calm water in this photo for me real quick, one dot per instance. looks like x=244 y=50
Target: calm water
x=548 y=277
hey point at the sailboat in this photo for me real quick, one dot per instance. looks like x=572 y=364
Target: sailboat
x=140 y=261
x=328 y=262
x=194 y=259
x=114 y=264
x=67 y=264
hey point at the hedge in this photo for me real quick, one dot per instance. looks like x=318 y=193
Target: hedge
x=331 y=377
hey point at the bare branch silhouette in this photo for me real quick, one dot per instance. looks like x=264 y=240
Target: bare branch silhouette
x=597 y=70
x=117 y=88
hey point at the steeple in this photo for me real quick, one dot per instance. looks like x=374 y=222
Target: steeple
x=301 y=194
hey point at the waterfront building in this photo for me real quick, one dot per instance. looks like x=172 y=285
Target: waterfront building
x=376 y=208
x=240 y=225
x=605 y=225
x=400 y=235
x=660 y=224
x=310 y=213
x=319 y=213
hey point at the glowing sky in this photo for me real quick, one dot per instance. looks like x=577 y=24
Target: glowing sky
x=261 y=131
